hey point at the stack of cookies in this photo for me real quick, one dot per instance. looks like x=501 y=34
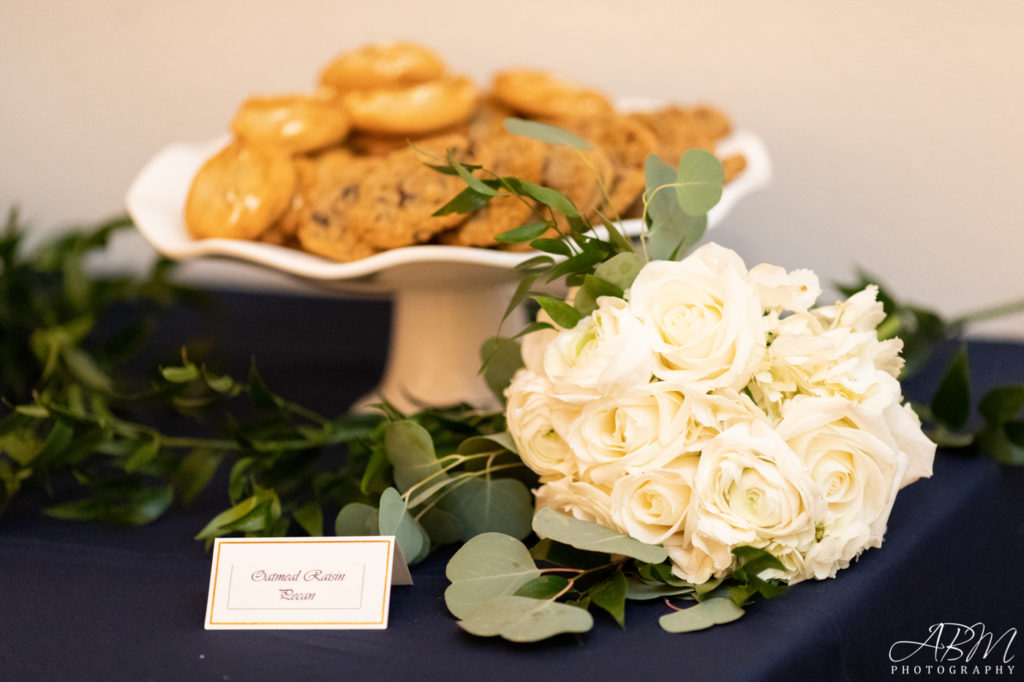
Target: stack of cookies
x=342 y=173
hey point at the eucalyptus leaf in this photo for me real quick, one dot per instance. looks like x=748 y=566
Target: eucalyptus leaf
x=717 y=611
x=699 y=178
x=522 y=619
x=395 y=520
x=441 y=526
x=356 y=519
x=485 y=504
x=487 y=566
x=672 y=232
x=410 y=450
x=592 y=537
x=543 y=132
x=620 y=270
x=487 y=443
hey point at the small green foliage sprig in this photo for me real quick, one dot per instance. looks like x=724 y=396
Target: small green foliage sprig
x=443 y=487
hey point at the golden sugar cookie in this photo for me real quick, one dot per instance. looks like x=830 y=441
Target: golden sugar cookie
x=335 y=184
x=295 y=123
x=412 y=110
x=398 y=198
x=733 y=165
x=675 y=129
x=283 y=231
x=381 y=66
x=375 y=144
x=512 y=156
x=542 y=95
x=239 y=192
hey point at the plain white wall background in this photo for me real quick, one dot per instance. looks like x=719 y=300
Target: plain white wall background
x=894 y=127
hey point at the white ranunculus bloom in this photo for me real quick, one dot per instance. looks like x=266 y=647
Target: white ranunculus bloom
x=605 y=352
x=703 y=318
x=780 y=290
x=533 y=347
x=853 y=458
x=579 y=499
x=538 y=424
x=750 y=489
x=652 y=506
x=830 y=352
x=713 y=412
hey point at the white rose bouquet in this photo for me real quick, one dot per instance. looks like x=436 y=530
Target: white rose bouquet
x=713 y=407
x=698 y=429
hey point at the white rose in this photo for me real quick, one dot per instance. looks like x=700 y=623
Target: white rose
x=853 y=458
x=703 y=319
x=751 y=489
x=538 y=424
x=639 y=429
x=780 y=290
x=905 y=426
x=579 y=499
x=652 y=506
x=604 y=352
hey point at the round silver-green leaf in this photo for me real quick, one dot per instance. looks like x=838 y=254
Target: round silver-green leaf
x=590 y=536
x=488 y=566
x=522 y=619
x=704 y=615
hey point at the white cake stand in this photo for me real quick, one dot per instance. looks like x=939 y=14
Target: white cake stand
x=446 y=299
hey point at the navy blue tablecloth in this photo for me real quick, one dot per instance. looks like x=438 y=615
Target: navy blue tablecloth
x=89 y=602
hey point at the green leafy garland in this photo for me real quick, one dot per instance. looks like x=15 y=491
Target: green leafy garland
x=433 y=478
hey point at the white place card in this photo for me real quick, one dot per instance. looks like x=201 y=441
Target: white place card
x=341 y=583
